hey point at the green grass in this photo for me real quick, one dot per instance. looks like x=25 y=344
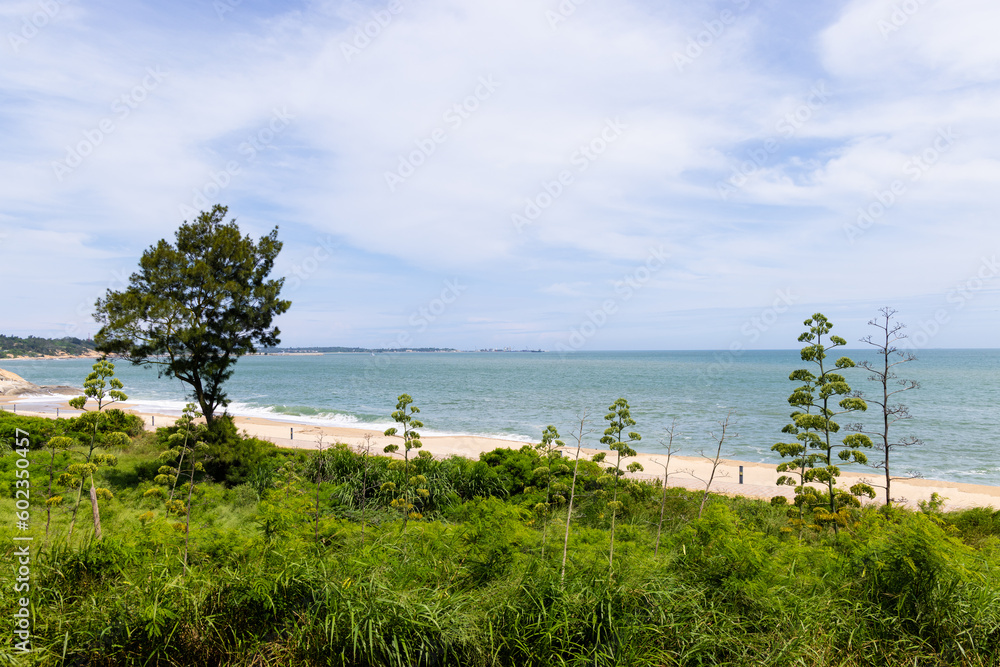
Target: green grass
x=466 y=585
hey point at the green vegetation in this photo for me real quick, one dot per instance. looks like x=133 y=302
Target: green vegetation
x=95 y=387
x=259 y=574
x=32 y=346
x=342 y=557
x=619 y=418
x=411 y=441
x=194 y=308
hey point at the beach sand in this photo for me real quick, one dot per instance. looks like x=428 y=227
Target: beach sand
x=758 y=479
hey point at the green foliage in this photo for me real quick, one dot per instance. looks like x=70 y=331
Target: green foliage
x=39 y=429
x=231 y=457
x=96 y=386
x=467 y=585
x=514 y=467
x=813 y=425
x=912 y=577
x=619 y=419
x=412 y=490
x=719 y=552
x=195 y=307
x=122 y=422
x=975 y=524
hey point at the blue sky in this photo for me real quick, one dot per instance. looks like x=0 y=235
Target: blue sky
x=558 y=175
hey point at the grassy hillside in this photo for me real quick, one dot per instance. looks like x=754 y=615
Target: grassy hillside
x=301 y=559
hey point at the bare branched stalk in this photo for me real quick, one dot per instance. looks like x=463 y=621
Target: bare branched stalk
x=671 y=432
x=889 y=334
x=715 y=461
x=581 y=432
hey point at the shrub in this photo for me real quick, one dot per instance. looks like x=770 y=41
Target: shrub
x=912 y=572
x=232 y=457
x=515 y=467
x=124 y=422
x=39 y=429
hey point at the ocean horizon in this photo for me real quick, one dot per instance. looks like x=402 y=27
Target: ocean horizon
x=515 y=395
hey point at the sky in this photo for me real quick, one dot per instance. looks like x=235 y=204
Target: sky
x=543 y=174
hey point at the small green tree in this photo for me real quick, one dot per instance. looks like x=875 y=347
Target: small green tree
x=102 y=386
x=814 y=420
x=618 y=440
x=404 y=416
x=883 y=373
x=552 y=466
x=802 y=460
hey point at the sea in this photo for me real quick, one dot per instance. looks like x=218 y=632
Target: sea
x=515 y=395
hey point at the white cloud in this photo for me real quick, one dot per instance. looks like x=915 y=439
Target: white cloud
x=548 y=94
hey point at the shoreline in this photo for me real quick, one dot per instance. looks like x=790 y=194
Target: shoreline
x=90 y=355
x=733 y=477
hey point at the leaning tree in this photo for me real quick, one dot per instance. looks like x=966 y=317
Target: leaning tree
x=196 y=306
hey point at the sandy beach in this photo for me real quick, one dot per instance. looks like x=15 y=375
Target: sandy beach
x=758 y=479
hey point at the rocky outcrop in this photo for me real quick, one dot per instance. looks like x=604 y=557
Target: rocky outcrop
x=12 y=384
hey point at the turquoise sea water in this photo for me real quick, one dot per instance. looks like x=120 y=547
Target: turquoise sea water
x=515 y=395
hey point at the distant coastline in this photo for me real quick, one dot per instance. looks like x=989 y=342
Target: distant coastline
x=89 y=355
x=33 y=347
x=347 y=350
